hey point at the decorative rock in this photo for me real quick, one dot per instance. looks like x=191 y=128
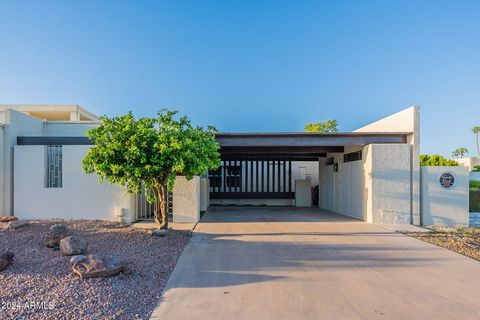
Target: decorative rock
x=58 y=229
x=53 y=240
x=159 y=232
x=73 y=245
x=6 y=259
x=96 y=266
x=7 y=218
x=15 y=224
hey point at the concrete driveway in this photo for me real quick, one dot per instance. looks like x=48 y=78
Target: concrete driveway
x=285 y=263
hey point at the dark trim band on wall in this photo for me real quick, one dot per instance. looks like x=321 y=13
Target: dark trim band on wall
x=45 y=141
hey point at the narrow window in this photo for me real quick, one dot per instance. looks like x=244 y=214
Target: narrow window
x=54 y=166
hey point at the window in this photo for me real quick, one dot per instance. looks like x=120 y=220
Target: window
x=54 y=166
x=354 y=156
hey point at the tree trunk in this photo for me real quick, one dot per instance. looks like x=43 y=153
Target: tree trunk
x=478 y=147
x=160 y=206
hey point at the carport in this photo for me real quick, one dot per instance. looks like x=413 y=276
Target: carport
x=266 y=169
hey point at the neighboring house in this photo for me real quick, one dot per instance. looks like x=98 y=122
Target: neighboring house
x=470 y=162
x=372 y=174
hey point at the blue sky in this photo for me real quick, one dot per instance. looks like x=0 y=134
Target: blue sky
x=251 y=65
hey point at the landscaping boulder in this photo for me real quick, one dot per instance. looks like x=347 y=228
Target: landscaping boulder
x=53 y=240
x=58 y=229
x=7 y=218
x=6 y=259
x=15 y=224
x=96 y=266
x=73 y=245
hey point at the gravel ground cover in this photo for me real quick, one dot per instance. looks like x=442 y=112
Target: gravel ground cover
x=463 y=240
x=41 y=285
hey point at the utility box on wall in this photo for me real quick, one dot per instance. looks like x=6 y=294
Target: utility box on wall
x=444 y=196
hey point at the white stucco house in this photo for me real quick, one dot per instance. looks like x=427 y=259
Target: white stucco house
x=372 y=174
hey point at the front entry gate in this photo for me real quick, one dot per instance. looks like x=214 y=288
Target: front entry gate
x=252 y=179
x=144 y=210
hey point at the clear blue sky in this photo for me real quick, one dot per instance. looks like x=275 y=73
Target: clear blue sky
x=251 y=65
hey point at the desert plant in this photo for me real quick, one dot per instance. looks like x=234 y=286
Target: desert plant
x=149 y=153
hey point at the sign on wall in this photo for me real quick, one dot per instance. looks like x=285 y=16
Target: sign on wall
x=447 y=180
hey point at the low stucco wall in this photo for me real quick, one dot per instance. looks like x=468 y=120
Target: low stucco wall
x=81 y=196
x=445 y=206
x=186 y=200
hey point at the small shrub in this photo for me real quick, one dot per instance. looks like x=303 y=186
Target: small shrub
x=436 y=160
x=474 y=185
x=474 y=200
x=476 y=169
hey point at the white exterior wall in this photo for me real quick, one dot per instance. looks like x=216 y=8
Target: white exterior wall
x=186 y=199
x=342 y=191
x=69 y=129
x=81 y=196
x=445 y=206
x=15 y=124
x=388 y=182
x=407 y=121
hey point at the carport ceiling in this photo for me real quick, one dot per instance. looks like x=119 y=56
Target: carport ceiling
x=301 y=146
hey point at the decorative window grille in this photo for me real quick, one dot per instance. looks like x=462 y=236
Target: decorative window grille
x=54 y=166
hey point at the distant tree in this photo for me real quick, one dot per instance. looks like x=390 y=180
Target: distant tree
x=325 y=126
x=436 y=160
x=476 y=169
x=476 y=130
x=148 y=153
x=459 y=152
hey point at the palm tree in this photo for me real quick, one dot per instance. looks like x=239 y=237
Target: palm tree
x=476 y=130
x=459 y=152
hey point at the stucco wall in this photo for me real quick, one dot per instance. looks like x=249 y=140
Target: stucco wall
x=16 y=124
x=81 y=196
x=387 y=172
x=69 y=129
x=186 y=199
x=407 y=121
x=445 y=206
x=204 y=194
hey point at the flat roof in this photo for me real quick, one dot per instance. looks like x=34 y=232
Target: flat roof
x=301 y=146
x=297 y=146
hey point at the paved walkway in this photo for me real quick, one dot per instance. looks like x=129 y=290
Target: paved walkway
x=284 y=263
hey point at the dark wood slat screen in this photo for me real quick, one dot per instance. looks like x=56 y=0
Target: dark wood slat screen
x=252 y=179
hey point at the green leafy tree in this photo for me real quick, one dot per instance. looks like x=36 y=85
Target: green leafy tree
x=476 y=169
x=148 y=153
x=476 y=130
x=325 y=126
x=436 y=160
x=459 y=152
